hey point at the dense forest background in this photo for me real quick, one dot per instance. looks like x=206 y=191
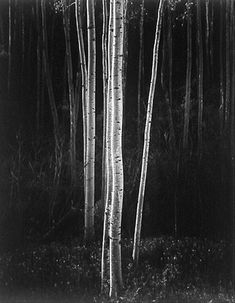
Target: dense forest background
x=194 y=192
x=46 y=189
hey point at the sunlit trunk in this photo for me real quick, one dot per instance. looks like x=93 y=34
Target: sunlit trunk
x=90 y=141
x=105 y=86
x=106 y=181
x=139 y=212
x=116 y=282
x=188 y=79
x=88 y=105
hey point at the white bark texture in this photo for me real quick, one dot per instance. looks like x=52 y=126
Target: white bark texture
x=139 y=212
x=90 y=140
x=108 y=154
x=116 y=282
x=88 y=106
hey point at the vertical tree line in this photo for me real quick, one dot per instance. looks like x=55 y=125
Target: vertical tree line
x=114 y=56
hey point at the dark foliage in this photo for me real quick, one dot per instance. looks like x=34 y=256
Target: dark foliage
x=168 y=266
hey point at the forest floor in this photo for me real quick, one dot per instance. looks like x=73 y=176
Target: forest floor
x=170 y=270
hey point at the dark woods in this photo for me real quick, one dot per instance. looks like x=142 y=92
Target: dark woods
x=108 y=107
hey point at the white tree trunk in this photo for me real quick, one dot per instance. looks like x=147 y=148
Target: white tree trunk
x=88 y=105
x=90 y=141
x=116 y=282
x=107 y=145
x=139 y=212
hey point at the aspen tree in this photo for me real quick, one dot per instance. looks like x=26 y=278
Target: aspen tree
x=91 y=89
x=200 y=77
x=139 y=212
x=105 y=85
x=88 y=104
x=188 y=78
x=107 y=163
x=116 y=282
x=83 y=66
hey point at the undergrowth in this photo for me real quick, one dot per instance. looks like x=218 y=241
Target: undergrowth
x=169 y=269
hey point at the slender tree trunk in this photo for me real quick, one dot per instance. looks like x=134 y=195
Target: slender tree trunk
x=83 y=66
x=143 y=176
x=109 y=154
x=140 y=70
x=72 y=105
x=9 y=44
x=200 y=77
x=116 y=282
x=106 y=141
x=188 y=79
x=105 y=87
x=90 y=141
